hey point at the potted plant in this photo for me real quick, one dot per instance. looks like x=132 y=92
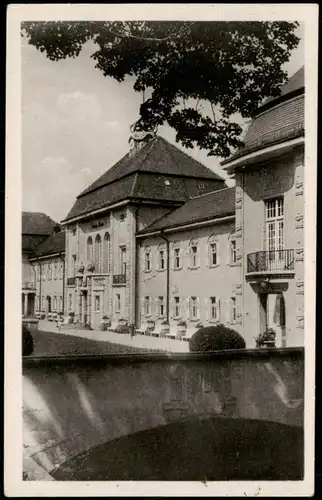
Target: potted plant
x=42 y=314
x=122 y=322
x=150 y=324
x=165 y=328
x=49 y=316
x=54 y=316
x=71 y=316
x=267 y=338
x=182 y=327
x=105 y=323
x=80 y=268
x=90 y=267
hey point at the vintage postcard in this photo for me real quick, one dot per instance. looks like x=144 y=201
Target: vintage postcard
x=160 y=250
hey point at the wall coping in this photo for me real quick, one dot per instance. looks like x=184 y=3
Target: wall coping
x=143 y=357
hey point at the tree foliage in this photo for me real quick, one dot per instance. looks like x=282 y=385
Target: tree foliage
x=232 y=65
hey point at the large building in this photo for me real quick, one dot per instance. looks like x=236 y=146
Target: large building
x=43 y=250
x=102 y=260
x=269 y=207
x=160 y=241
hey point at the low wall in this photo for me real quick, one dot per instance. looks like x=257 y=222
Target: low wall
x=71 y=404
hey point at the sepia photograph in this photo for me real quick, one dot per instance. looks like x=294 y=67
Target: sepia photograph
x=163 y=249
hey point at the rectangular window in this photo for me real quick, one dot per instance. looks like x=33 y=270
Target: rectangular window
x=233 y=252
x=233 y=309
x=49 y=271
x=70 y=302
x=161 y=260
x=43 y=302
x=55 y=303
x=213 y=254
x=161 y=307
x=97 y=303
x=60 y=303
x=214 y=309
x=147 y=260
x=177 y=258
x=177 y=308
x=274 y=214
x=123 y=260
x=194 y=252
x=193 y=308
x=118 y=303
x=147 y=309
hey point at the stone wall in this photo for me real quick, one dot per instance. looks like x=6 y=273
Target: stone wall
x=108 y=397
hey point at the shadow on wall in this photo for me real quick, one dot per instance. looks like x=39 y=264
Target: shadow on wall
x=279 y=177
x=72 y=405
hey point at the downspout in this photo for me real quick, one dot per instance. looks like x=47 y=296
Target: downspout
x=136 y=273
x=40 y=280
x=63 y=259
x=168 y=275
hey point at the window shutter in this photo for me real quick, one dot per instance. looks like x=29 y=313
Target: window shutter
x=198 y=255
x=229 y=252
x=207 y=314
x=142 y=308
x=198 y=308
x=186 y=310
x=207 y=260
x=172 y=259
x=217 y=253
x=156 y=307
x=172 y=307
x=157 y=263
x=219 y=310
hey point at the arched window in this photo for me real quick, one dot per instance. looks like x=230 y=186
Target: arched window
x=98 y=253
x=89 y=249
x=106 y=253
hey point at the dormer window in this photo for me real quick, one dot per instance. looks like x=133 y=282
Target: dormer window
x=122 y=217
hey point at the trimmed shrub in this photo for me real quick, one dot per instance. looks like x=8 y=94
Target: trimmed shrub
x=216 y=338
x=122 y=329
x=27 y=341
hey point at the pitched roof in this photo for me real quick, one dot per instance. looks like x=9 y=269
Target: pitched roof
x=296 y=82
x=156 y=156
x=53 y=244
x=278 y=120
x=159 y=171
x=212 y=205
x=37 y=223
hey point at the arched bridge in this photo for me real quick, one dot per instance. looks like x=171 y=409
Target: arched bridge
x=148 y=416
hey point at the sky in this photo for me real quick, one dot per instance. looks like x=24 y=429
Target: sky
x=76 y=125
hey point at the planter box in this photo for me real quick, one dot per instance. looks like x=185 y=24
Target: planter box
x=170 y=336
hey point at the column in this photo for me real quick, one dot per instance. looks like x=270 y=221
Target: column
x=26 y=304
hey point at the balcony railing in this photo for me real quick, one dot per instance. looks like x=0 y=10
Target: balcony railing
x=71 y=281
x=29 y=285
x=119 y=279
x=271 y=261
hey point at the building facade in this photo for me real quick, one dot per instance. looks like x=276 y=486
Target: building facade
x=187 y=266
x=102 y=260
x=48 y=263
x=36 y=228
x=269 y=207
x=160 y=240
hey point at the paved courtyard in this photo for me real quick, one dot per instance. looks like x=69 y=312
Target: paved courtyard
x=139 y=342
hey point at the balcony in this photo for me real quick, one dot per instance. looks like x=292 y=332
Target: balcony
x=71 y=281
x=29 y=285
x=119 y=279
x=271 y=262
